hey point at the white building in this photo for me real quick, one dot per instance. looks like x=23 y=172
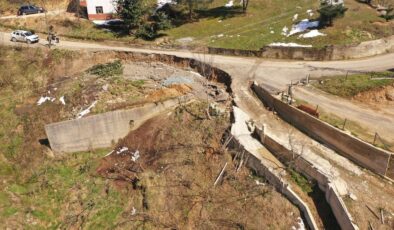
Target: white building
x=99 y=9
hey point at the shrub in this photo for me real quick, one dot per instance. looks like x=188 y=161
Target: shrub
x=107 y=70
x=329 y=12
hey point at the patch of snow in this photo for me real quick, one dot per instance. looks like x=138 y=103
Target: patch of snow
x=133 y=211
x=302 y=26
x=105 y=22
x=291 y=44
x=61 y=99
x=86 y=111
x=310 y=12
x=295 y=17
x=272 y=32
x=312 y=34
x=135 y=156
x=300 y=223
x=44 y=99
x=285 y=30
x=220 y=21
x=229 y=4
x=220 y=35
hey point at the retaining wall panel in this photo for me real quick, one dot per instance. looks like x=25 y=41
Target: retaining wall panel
x=358 y=151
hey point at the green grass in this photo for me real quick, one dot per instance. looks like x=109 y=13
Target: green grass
x=240 y=31
x=107 y=70
x=301 y=181
x=54 y=185
x=353 y=84
x=263 y=16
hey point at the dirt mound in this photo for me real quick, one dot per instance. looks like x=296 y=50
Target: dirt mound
x=170 y=92
x=382 y=94
x=169 y=165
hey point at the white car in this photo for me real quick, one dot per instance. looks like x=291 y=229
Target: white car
x=24 y=36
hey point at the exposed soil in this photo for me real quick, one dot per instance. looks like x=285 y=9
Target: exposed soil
x=380 y=95
x=171 y=183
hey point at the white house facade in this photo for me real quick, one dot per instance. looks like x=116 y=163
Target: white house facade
x=99 y=9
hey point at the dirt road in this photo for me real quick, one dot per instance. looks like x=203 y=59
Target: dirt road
x=274 y=73
x=381 y=122
x=52 y=12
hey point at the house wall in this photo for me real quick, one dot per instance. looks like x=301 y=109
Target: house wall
x=108 y=9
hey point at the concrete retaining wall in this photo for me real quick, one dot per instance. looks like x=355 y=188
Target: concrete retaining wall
x=256 y=164
x=102 y=130
x=285 y=155
x=362 y=153
x=333 y=52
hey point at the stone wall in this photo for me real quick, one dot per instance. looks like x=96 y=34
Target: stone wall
x=360 y=152
x=102 y=130
x=332 y=52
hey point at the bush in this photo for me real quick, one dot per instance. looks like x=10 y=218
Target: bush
x=146 y=32
x=329 y=12
x=107 y=70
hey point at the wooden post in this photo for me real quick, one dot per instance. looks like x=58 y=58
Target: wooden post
x=317 y=107
x=344 y=123
x=347 y=73
x=376 y=137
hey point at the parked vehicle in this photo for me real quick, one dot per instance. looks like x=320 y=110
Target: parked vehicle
x=30 y=9
x=24 y=36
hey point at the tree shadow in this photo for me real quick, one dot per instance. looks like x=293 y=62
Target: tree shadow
x=220 y=12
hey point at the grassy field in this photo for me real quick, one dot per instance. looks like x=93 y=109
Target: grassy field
x=354 y=84
x=218 y=26
x=253 y=30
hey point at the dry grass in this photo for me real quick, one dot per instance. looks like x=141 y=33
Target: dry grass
x=172 y=181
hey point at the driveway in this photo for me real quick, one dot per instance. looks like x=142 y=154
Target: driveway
x=53 y=12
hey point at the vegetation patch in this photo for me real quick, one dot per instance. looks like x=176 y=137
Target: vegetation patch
x=301 y=181
x=350 y=86
x=108 y=69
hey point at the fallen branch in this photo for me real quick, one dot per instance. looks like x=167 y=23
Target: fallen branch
x=370 y=209
x=220 y=175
